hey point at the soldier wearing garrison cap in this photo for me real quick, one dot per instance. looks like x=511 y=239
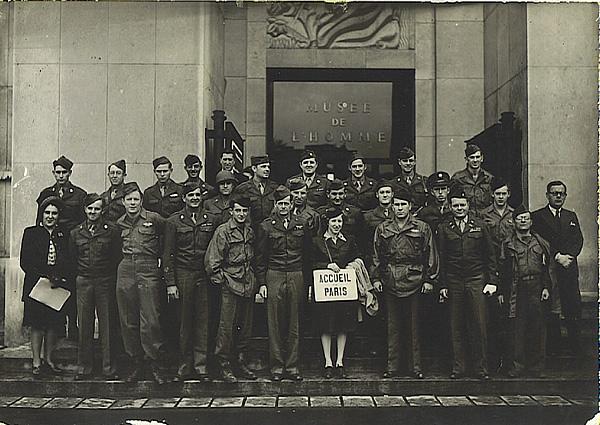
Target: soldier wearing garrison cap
x=260 y=189
x=112 y=198
x=360 y=188
x=193 y=166
x=468 y=274
x=163 y=197
x=282 y=243
x=410 y=179
x=316 y=184
x=71 y=215
x=95 y=245
x=475 y=180
x=438 y=208
x=300 y=208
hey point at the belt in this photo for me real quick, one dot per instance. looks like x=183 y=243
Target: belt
x=140 y=256
x=530 y=277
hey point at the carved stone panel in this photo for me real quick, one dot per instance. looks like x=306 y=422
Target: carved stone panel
x=293 y=25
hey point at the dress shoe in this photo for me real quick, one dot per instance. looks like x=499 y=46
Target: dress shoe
x=135 y=375
x=456 y=375
x=158 y=376
x=328 y=372
x=294 y=376
x=180 y=378
x=418 y=375
x=36 y=371
x=276 y=377
x=389 y=374
x=244 y=372
x=339 y=372
x=484 y=376
x=227 y=375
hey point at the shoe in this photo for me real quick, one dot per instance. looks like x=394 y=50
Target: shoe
x=276 y=377
x=245 y=372
x=158 y=376
x=227 y=375
x=388 y=374
x=484 y=376
x=52 y=368
x=456 y=375
x=328 y=373
x=110 y=376
x=135 y=375
x=202 y=377
x=339 y=372
x=36 y=371
x=419 y=375
x=294 y=376
x=180 y=378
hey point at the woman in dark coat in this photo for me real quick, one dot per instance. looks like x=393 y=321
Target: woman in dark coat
x=333 y=250
x=44 y=253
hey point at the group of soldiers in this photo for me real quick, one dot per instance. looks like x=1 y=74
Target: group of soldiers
x=505 y=274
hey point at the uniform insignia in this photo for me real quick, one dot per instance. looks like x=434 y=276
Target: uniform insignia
x=181 y=216
x=106 y=226
x=173 y=195
x=273 y=222
x=572 y=224
x=205 y=216
x=147 y=224
x=298 y=227
x=71 y=190
x=475 y=229
x=414 y=230
x=318 y=181
x=371 y=183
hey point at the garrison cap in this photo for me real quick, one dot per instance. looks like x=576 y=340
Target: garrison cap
x=355 y=157
x=456 y=191
x=383 y=183
x=130 y=187
x=405 y=153
x=521 y=209
x=224 y=176
x=403 y=193
x=336 y=184
x=438 y=179
x=257 y=160
x=296 y=183
x=64 y=162
x=160 y=161
x=242 y=200
x=52 y=200
x=281 y=192
x=90 y=198
x=332 y=212
x=120 y=164
x=471 y=149
x=307 y=154
x=497 y=183
x=191 y=159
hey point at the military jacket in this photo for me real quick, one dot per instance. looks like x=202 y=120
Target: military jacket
x=113 y=204
x=309 y=216
x=317 y=191
x=501 y=226
x=144 y=236
x=364 y=198
x=218 y=206
x=417 y=188
x=261 y=204
x=73 y=197
x=163 y=205
x=479 y=192
x=354 y=222
x=435 y=214
x=97 y=254
x=207 y=190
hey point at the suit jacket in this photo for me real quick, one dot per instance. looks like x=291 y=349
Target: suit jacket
x=567 y=239
x=72 y=214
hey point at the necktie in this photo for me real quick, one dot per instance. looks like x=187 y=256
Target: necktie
x=51 y=254
x=162 y=191
x=286 y=223
x=386 y=213
x=462 y=226
x=194 y=217
x=92 y=228
x=113 y=194
x=557 y=219
x=61 y=192
x=358 y=185
x=261 y=187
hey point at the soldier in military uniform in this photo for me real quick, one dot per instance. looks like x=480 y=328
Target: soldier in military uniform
x=112 y=199
x=96 y=247
x=260 y=190
x=437 y=209
x=227 y=161
x=188 y=234
x=475 y=180
x=193 y=166
x=468 y=273
x=140 y=288
x=70 y=216
x=229 y=262
x=354 y=222
x=163 y=197
x=405 y=264
x=300 y=209
x=316 y=184
x=282 y=241
x=410 y=179
x=360 y=189
x=527 y=281
x=219 y=205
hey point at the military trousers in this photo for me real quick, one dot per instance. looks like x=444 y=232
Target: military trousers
x=95 y=297
x=285 y=293
x=235 y=327
x=403 y=332
x=193 y=329
x=139 y=293
x=468 y=322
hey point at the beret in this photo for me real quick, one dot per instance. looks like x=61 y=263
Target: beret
x=257 y=160
x=383 y=183
x=404 y=194
x=52 y=200
x=190 y=187
x=336 y=184
x=242 y=200
x=120 y=164
x=90 y=198
x=130 y=187
x=160 y=161
x=497 y=183
x=332 y=212
x=307 y=154
x=519 y=210
x=191 y=159
x=438 y=179
x=224 y=176
x=64 y=162
x=405 y=153
x=281 y=192
x=471 y=149
x=456 y=191
x=296 y=183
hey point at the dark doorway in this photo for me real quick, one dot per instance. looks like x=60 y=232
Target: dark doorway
x=337 y=113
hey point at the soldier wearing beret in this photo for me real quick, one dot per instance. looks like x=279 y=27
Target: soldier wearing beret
x=468 y=273
x=70 y=216
x=438 y=209
x=140 y=288
x=475 y=180
x=316 y=184
x=528 y=281
x=187 y=236
x=193 y=166
x=112 y=199
x=282 y=241
x=410 y=179
x=405 y=264
x=96 y=247
x=163 y=197
x=260 y=189
x=230 y=263
x=360 y=189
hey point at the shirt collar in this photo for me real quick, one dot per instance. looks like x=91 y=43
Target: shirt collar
x=328 y=235
x=554 y=210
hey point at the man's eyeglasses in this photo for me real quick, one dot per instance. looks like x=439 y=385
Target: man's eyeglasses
x=558 y=193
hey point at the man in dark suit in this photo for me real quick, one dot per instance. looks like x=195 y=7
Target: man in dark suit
x=560 y=228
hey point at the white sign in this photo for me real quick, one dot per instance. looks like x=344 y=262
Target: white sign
x=332 y=286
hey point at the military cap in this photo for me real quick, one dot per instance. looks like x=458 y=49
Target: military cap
x=130 y=187
x=383 y=183
x=257 y=160
x=307 y=154
x=497 y=183
x=64 y=162
x=403 y=193
x=190 y=187
x=191 y=159
x=438 y=179
x=52 y=200
x=336 y=184
x=242 y=200
x=224 y=176
x=296 y=183
x=160 y=161
x=471 y=149
x=281 y=192
x=120 y=164
x=456 y=191
x=90 y=198
x=521 y=209
x=405 y=153
x=332 y=212
x=355 y=158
